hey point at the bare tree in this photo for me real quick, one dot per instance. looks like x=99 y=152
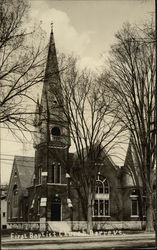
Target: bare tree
x=131 y=80
x=93 y=129
x=21 y=63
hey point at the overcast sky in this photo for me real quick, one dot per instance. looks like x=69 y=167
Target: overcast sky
x=85 y=28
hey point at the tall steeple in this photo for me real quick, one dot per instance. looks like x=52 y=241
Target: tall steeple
x=51 y=145
x=52 y=84
x=52 y=64
x=52 y=119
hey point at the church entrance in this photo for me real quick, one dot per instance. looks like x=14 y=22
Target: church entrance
x=56 y=209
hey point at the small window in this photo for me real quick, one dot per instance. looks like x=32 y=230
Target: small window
x=15 y=188
x=4 y=214
x=15 y=196
x=96 y=208
x=99 y=187
x=106 y=187
x=38 y=205
x=39 y=173
x=32 y=204
x=134 y=192
x=56 y=131
x=56 y=173
x=144 y=206
x=134 y=202
x=134 y=207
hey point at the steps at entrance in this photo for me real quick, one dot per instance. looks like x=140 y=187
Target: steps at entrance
x=59 y=226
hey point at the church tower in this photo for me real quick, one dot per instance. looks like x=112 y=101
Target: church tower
x=52 y=141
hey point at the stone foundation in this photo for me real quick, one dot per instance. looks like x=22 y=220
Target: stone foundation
x=108 y=225
x=67 y=226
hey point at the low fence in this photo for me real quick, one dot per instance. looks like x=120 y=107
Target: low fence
x=27 y=226
x=76 y=225
x=109 y=225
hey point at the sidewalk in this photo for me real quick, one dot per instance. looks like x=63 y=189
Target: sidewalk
x=77 y=239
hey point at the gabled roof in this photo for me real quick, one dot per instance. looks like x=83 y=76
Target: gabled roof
x=25 y=167
x=104 y=157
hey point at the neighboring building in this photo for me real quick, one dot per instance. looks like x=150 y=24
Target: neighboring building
x=21 y=178
x=39 y=188
x=4 y=190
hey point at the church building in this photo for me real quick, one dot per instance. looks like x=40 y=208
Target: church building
x=40 y=188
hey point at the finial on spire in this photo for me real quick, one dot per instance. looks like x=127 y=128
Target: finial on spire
x=51 y=26
x=37 y=97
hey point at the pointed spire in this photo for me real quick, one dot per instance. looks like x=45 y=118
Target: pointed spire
x=37 y=98
x=51 y=72
x=52 y=78
x=51 y=26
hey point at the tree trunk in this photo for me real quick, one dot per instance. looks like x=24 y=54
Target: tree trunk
x=83 y=204
x=89 y=212
x=140 y=201
x=149 y=220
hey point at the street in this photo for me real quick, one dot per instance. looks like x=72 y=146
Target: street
x=143 y=241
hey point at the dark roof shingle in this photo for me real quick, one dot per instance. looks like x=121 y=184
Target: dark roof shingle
x=25 y=166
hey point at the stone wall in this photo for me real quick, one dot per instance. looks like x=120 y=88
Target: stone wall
x=109 y=225
x=79 y=225
x=25 y=226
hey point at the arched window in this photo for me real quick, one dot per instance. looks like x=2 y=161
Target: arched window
x=15 y=188
x=56 y=173
x=39 y=175
x=15 y=196
x=54 y=102
x=102 y=186
x=134 y=203
x=99 y=187
x=101 y=202
x=55 y=131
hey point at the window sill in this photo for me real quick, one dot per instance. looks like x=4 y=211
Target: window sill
x=101 y=216
x=134 y=216
x=56 y=184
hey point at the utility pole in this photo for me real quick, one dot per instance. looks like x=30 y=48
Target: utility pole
x=47 y=153
x=0 y=192
x=156 y=120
